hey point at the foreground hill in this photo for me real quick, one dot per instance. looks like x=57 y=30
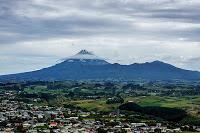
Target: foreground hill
x=87 y=66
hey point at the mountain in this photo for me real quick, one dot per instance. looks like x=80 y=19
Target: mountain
x=85 y=58
x=87 y=66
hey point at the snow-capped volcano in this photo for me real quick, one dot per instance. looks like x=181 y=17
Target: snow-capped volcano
x=87 y=66
x=84 y=54
x=86 y=57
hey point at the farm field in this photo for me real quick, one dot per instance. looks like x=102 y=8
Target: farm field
x=190 y=104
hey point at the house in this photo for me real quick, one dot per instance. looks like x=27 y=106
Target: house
x=53 y=124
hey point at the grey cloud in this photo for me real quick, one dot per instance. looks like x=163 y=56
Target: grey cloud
x=115 y=23
x=121 y=21
x=193 y=63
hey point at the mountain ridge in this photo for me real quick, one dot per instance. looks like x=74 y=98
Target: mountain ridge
x=87 y=66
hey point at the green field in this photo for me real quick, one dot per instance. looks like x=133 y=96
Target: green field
x=186 y=132
x=190 y=104
x=95 y=105
x=180 y=102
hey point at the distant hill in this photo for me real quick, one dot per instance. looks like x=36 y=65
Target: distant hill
x=87 y=66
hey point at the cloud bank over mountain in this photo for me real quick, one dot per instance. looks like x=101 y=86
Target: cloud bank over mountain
x=37 y=33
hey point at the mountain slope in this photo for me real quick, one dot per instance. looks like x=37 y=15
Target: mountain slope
x=87 y=66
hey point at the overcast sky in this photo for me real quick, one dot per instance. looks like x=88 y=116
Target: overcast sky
x=39 y=33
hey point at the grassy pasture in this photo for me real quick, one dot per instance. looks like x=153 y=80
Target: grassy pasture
x=190 y=104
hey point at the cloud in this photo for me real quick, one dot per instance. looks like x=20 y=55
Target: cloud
x=193 y=63
x=125 y=31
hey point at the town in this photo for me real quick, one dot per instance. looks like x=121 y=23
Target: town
x=17 y=115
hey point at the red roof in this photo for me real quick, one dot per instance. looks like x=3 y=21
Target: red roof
x=53 y=124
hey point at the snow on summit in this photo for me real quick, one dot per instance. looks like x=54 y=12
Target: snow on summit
x=84 y=54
